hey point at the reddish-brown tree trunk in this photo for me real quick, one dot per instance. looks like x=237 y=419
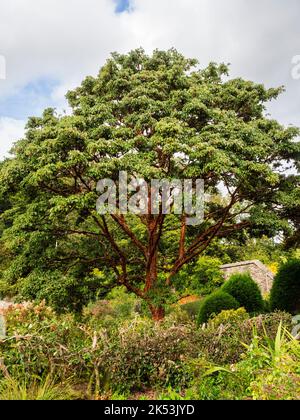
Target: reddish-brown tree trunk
x=158 y=313
x=154 y=232
x=151 y=275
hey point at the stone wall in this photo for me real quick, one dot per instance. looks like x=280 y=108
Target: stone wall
x=5 y=305
x=258 y=271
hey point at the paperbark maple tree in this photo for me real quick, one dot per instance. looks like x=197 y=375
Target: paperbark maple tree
x=156 y=117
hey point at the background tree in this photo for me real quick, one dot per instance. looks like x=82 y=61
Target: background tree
x=285 y=293
x=156 y=117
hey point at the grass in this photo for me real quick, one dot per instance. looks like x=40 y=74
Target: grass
x=47 y=390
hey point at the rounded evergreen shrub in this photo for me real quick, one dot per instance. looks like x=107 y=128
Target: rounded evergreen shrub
x=285 y=293
x=244 y=289
x=216 y=303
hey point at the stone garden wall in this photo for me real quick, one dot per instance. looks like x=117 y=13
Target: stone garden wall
x=258 y=271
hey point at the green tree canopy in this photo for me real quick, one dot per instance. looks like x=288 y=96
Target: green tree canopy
x=156 y=117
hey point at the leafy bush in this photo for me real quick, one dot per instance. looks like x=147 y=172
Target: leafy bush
x=192 y=308
x=223 y=344
x=244 y=289
x=146 y=354
x=213 y=383
x=216 y=303
x=202 y=277
x=137 y=355
x=64 y=293
x=118 y=307
x=40 y=342
x=285 y=293
x=229 y=317
x=267 y=305
x=269 y=370
x=272 y=364
x=143 y=354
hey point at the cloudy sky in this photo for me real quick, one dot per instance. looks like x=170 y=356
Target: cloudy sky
x=49 y=46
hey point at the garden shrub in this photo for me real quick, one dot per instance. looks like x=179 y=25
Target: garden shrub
x=223 y=345
x=285 y=293
x=216 y=303
x=280 y=383
x=99 y=310
x=40 y=342
x=273 y=364
x=222 y=385
x=244 y=289
x=268 y=370
x=192 y=308
x=230 y=316
x=202 y=277
x=176 y=315
x=146 y=354
x=119 y=306
x=267 y=304
x=140 y=354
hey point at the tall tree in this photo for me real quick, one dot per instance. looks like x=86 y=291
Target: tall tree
x=156 y=117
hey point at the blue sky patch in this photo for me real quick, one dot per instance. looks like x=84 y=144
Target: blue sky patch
x=29 y=101
x=122 y=6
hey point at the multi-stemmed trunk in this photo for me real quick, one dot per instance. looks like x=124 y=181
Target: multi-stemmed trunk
x=157 y=310
x=158 y=313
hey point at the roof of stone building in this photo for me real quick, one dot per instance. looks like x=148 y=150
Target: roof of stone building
x=4 y=304
x=257 y=263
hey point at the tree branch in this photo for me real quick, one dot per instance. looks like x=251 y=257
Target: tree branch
x=120 y=220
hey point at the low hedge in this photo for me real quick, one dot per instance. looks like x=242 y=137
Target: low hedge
x=216 y=303
x=244 y=289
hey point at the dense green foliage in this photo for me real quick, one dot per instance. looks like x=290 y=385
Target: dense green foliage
x=192 y=308
x=103 y=356
x=244 y=289
x=285 y=293
x=96 y=285
x=156 y=117
x=201 y=277
x=216 y=303
x=64 y=293
x=230 y=316
x=269 y=370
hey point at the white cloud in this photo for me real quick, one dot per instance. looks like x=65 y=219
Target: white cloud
x=58 y=39
x=10 y=131
x=258 y=37
x=65 y=40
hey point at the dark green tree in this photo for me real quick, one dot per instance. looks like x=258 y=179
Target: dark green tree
x=156 y=117
x=244 y=289
x=285 y=293
x=216 y=303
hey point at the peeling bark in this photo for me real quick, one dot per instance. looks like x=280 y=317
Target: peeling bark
x=158 y=313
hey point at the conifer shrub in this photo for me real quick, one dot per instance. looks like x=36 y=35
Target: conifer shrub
x=216 y=303
x=285 y=293
x=244 y=289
